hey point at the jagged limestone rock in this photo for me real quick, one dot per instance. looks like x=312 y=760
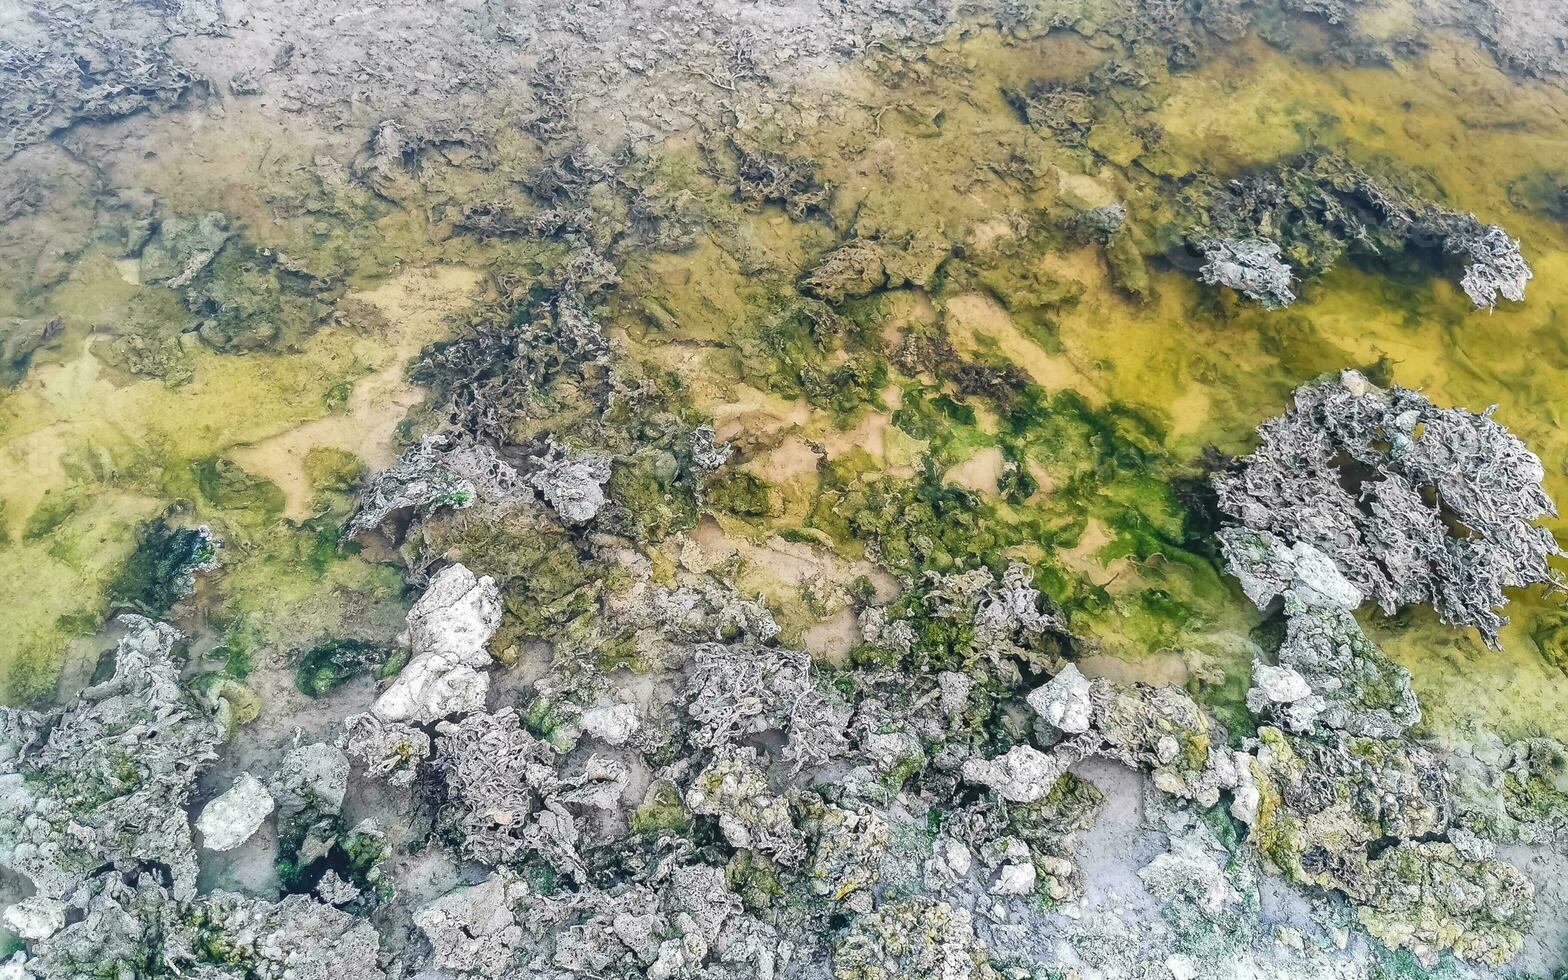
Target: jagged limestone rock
x=846 y=850
x=36 y=918
x=474 y=928
x=105 y=780
x=1496 y=269
x=1357 y=689
x=613 y=724
x=913 y=937
x=448 y=629
x=498 y=780
x=436 y=472
x=572 y=482
x=231 y=818
x=387 y=749
x=744 y=689
x=1023 y=774
x=1064 y=702
x=734 y=788
x=297 y=938
x=1251 y=266
x=1318 y=207
x=1344 y=471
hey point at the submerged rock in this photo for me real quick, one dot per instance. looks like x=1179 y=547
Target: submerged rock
x=1251 y=266
x=1412 y=503
x=1312 y=210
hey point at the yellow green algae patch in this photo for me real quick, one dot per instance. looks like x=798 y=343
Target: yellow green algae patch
x=937 y=153
x=88 y=455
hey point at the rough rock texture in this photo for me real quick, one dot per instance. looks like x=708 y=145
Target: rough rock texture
x=1310 y=211
x=914 y=937
x=448 y=629
x=104 y=781
x=1065 y=703
x=474 y=928
x=435 y=473
x=1414 y=472
x=571 y=482
x=229 y=820
x=1251 y=266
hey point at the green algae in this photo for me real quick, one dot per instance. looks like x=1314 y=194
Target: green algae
x=159 y=572
x=1105 y=373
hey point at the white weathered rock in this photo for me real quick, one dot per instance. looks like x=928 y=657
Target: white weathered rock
x=1023 y=775
x=229 y=820
x=1065 y=703
x=36 y=918
x=1015 y=879
x=1280 y=685
x=448 y=629
x=612 y=723
x=572 y=482
x=474 y=928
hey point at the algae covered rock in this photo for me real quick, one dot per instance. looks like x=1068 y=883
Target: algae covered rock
x=913 y=937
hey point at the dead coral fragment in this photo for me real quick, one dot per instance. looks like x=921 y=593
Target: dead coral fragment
x=572 y=482
x=1251 y=266
x=1319 y=207
x=433 y=474
x=105 y=780
x=913 y=937
x=1440 y=505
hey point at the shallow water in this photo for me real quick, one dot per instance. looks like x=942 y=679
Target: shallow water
x=930 y=149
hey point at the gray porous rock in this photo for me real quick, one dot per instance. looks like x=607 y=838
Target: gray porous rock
x=1023 y=774
x=745 y=689
x=1428 y=897
x=36 y=918
x=312 y=776
x=474 y=928
x=231 y=818
x=104 y=781
x=707 y=452
x=1378 y=481
x=498 y=780
x=297 y=938
x=387 y=750
x=448 y=629
x=1064 y=701
x=734 y=788
x=1251 y=266
x=436 y=472
x=913 y=937
x=1010 y=616
x=572 y=482
x=1496 y=269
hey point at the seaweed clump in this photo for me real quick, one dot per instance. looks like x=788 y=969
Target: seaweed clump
x=162 y=569
x=1319 y=208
